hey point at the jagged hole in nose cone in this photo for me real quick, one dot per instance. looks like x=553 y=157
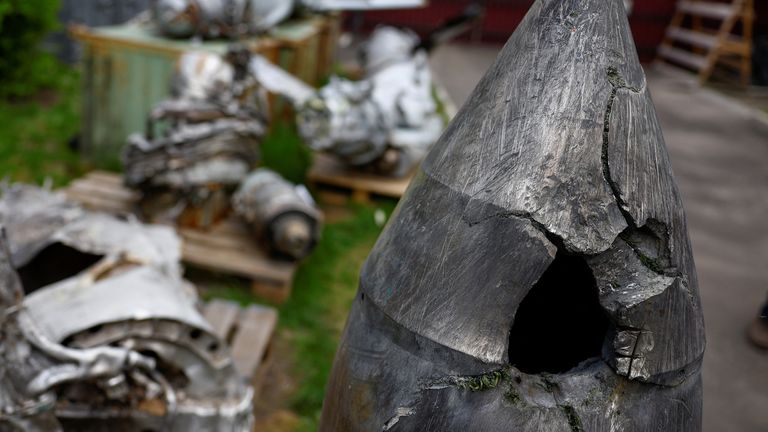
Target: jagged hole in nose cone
x=560 y=323
x=53 y=264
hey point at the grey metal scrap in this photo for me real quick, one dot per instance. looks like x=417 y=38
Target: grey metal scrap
x=385 y=122
x=282 y=215
x=200 y=144
x=538 y=274
x=113 y=342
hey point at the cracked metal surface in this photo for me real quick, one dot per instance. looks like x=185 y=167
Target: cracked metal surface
x=558 y=151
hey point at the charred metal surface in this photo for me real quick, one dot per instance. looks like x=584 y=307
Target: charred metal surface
x=282 y=215
x=113 y=342
x=537 y=275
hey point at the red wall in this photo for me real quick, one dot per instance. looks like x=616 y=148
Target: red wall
x=649 y=19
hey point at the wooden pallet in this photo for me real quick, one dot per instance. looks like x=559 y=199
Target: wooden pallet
x=228 y=247
x=328 y=172
x=248 y=331
x=693 y=42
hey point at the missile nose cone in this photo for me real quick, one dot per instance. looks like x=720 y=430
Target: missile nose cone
x=538 y=272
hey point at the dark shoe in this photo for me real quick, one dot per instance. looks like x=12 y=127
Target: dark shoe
x=758 y=333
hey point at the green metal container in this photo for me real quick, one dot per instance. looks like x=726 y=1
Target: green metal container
x=127 y=69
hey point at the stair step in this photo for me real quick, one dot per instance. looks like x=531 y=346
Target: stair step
x=707 y=9
x=694 y=38
x=685 y=58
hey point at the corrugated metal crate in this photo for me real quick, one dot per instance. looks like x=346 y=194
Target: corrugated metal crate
x=127 y=68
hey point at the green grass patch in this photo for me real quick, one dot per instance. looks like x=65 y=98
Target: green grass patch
x=283 y=151
x=36 y=132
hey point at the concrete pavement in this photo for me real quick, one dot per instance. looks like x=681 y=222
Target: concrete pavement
x=719 y=151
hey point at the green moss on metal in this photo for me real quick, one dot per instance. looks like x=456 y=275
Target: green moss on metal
x=487 y=381
x=573 y=418
x=512 y=396
x=549 y=384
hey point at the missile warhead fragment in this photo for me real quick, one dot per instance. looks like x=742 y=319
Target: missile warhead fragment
x=537 y=275
x=283 y=216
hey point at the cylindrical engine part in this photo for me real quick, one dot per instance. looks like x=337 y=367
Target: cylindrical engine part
x=283 y=216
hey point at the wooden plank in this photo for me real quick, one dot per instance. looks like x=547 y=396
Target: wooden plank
x=273 y=292
x=677 y=55
x=252 y=265
x=99 y=188
x=215 y=238
x=106 y=177
x=328 y=171
x=97 y=203
x=255 y=327
x=222 y=316
x=699 y=39
x=708 y=9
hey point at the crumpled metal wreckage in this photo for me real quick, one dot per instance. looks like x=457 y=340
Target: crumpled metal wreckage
x=100 y=332
x=537 y=275
x=200 y=143
x=234 y=18
x=208 y=150
x=384 y=123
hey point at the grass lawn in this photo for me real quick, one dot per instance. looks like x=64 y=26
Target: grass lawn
x=35 y=133
x=34 y=147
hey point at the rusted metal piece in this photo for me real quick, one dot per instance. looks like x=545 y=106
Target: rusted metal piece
x=283 y=216
x=537 y=275
x=108 y=335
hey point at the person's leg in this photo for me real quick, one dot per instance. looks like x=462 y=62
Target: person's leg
x=758 y=331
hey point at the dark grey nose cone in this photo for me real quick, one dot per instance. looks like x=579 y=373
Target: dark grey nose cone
x=537 y=275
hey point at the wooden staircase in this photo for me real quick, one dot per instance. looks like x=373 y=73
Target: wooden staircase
x=701 y=36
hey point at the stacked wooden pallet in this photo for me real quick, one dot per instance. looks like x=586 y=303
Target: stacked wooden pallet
x=228 y=247
x=248 y=332
x=703 y=34
x=328 y=173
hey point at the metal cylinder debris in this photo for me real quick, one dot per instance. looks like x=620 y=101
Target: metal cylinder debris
x=283 y=216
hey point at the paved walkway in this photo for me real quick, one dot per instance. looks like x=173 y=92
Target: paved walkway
x=719 y=152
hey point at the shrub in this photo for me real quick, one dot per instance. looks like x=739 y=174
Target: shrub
x=24 y=66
